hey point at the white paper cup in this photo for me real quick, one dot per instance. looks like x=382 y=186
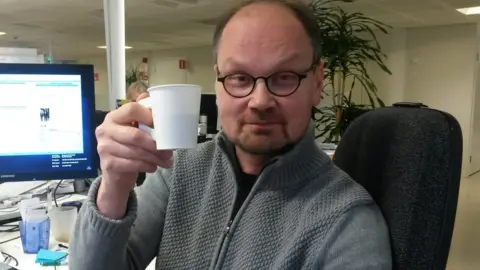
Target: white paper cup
x=175 y=110
x=62 y=222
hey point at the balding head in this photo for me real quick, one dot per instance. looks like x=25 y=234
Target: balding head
x=268 y=74
x=261 y=29
x=298 y=8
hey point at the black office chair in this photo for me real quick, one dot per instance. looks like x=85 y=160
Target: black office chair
x=409 y=158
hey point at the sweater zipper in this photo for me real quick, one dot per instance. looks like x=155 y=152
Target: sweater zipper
x=227 y=230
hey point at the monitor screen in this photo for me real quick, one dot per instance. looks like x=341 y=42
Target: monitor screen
x=47 y=122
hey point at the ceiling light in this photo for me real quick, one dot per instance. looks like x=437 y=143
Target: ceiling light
x=104 y=47
x=470 y=10
x=2 y=33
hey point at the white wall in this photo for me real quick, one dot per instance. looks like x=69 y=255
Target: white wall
x=391 y=88
x=475 y=121
x=441 y=73
x=163 y=68
x=435 y=66
x=475 y=132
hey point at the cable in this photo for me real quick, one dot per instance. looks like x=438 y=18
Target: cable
x=9 y=257
x=13 y=228
x=9 y=210
x=55 y=193
x=11 y=239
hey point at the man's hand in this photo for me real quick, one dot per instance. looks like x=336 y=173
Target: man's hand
x=125 y=151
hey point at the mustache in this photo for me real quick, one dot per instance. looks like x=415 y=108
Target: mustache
x=264 y=117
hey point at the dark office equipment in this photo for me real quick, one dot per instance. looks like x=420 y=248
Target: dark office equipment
x=409 y=158
x=208 y=107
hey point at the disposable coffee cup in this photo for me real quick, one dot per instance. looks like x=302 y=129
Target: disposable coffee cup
x=175 y=111
x=62 y=222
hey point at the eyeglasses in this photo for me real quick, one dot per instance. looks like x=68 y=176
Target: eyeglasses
x=280 y=84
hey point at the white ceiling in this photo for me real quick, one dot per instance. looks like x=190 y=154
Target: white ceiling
x=74 y=28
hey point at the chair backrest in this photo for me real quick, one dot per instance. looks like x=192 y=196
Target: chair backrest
x=409 y=159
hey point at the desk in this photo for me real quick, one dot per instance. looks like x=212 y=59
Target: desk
x=27 y=261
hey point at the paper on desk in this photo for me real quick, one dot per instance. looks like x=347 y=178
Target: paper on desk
x=24 y=204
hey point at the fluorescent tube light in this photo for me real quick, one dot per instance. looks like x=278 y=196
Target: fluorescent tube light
x=469 y=10
x=2 y=33
x=104 y=47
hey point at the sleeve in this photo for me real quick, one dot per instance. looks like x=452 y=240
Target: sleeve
x=127 y=244
x=360 y=241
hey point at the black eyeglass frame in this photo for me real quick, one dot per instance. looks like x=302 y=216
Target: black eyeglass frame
x=300 y=76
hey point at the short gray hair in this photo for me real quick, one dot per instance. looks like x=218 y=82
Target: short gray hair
x=138 y=86
x=299 y=8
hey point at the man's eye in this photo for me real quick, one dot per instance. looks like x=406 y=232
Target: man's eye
x=239 y=79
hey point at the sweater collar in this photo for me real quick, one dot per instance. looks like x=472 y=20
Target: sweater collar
x=291 y=168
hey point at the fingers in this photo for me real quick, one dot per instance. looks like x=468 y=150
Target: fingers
x=132 y=144
x=129 y=113
x=127 y=135
x=116 y=164
x=165 y=154
x=124 y=148
x=131 y=152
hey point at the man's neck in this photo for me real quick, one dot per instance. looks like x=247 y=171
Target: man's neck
x=251 y=164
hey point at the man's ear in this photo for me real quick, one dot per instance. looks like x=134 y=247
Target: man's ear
x=215 y=71
x=319 y=76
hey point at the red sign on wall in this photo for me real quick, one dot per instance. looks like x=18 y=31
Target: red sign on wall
x=181 y=64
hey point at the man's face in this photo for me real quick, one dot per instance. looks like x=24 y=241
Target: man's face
x=260 y=40
x=132 y=94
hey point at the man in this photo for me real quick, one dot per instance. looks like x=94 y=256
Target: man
x=135 y=89
x=261 y=195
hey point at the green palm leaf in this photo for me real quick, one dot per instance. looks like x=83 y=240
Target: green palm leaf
x=349 y=42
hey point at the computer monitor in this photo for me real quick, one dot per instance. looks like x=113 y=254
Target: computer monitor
x=47 y=122
x=208 y=107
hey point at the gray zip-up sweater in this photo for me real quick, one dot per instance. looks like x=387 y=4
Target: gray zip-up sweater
x=302 y=213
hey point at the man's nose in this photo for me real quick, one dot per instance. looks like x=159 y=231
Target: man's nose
x=261 y=98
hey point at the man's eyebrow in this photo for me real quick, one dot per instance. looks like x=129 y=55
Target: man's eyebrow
x=285 y=59
x=289 y=58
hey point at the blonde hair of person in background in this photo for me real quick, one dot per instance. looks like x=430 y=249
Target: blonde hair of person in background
x=135 y=89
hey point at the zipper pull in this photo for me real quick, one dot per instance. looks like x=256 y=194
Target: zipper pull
x=227 y=229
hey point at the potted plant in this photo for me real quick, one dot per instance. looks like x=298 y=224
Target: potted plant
x=326 y=118
x=349 y=41
x=131 y=76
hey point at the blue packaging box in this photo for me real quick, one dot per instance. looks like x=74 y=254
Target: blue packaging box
x=35 y=235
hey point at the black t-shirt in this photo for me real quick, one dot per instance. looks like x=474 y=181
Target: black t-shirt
x=245 y=184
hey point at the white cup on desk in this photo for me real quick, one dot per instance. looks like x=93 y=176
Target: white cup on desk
x=175 y=111
x=62 y=222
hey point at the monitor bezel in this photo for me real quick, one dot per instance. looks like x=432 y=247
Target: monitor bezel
x=88 y=93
